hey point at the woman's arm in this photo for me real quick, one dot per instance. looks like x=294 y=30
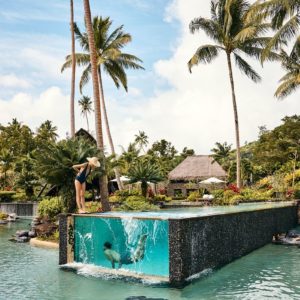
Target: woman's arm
x=77 y=168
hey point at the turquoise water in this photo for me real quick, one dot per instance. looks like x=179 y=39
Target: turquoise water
x=190 y=212
x=33 y=273
x=91 y=233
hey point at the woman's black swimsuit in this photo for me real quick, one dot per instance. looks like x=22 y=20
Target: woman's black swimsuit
x=82 y=176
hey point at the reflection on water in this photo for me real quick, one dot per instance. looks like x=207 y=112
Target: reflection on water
x=271 y=272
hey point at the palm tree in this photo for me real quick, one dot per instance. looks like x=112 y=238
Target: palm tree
x=221 y=154
x=285 y=19
x=141 y=139
x=144 y=171
x=47 y=132
x=110 y=59
x=291 y=80
x=72 y=99
x=85 y=104
x=233 y=35
x=95 y=79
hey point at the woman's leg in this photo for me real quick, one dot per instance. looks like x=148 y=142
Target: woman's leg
x=82 y=199
x=78 y=193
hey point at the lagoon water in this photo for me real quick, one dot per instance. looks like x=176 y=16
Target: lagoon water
x=32 y=273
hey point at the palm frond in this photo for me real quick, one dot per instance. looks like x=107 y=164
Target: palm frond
x=246 y=68
x=210 y=27
x=85 y=77
x=287 y=87
x=285 y=33
x=204 y=54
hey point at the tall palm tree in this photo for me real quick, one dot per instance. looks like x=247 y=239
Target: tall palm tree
x=85 y=104
x=233 y=35
x=72 y=97
x=110 y=59
x=141 y=139
x=95 y=79
x=291 y=80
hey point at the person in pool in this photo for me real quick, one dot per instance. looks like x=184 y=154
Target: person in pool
x=127 y=258
x=83 y=171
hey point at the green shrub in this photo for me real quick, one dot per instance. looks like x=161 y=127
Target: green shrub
x=50 y=207
x=19 y=197
x=160 y=198
x=297 y=194
x=256 y=195
x=218 y=194
x=88 y=195
x=92 y=206
x=137 y=203
x=236 y=200
x=115 y=199
x=3 y=216
x=194 y=196
x=6 y=196
x=228 y=194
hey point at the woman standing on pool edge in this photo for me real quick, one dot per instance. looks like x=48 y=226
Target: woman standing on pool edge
x=83 y=172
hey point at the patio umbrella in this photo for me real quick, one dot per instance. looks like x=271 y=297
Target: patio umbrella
x=212 y=180
x=122 y=178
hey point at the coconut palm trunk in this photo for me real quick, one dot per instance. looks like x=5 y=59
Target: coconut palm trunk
x=87 y=122
x=98 y=124
x=236 y=124
x=72 y=97
x=110 y=140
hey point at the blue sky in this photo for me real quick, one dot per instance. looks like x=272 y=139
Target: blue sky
x=165 y=100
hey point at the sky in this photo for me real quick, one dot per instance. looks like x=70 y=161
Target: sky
x=164 y=100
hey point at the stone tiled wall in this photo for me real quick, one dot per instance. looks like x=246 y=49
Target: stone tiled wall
x=198 y=244
x=66 y=239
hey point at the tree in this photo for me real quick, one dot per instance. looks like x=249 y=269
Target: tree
x=285 y=20
x=110 y=59
x=221 y=154
x=232 y=34
x=16 y=138
x=6 y=163
x=141 y=140
x=85 y=104
x=291 y=80
x=95 y=79
x=143 y=171
x=72 y=97
x=54 y=165
x=47 y=132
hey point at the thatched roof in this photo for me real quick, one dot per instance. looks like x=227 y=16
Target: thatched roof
x=85 y=134
x=197 y=167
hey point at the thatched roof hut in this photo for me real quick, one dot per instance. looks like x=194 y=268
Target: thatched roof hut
x=86 y=135
x=197 y=167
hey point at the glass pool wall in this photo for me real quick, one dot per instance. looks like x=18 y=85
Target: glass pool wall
x=124 y=234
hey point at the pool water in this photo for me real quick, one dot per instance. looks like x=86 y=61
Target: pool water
x=124 y=235
x=33 y=273
x=190 y=212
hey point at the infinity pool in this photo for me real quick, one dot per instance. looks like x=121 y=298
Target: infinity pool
x=32 y=273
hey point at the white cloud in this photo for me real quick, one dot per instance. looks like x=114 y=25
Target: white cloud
x=51 y=104
x=11 y=80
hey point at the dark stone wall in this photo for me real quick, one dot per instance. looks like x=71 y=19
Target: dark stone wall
x=201 y=243
x=63 y=239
